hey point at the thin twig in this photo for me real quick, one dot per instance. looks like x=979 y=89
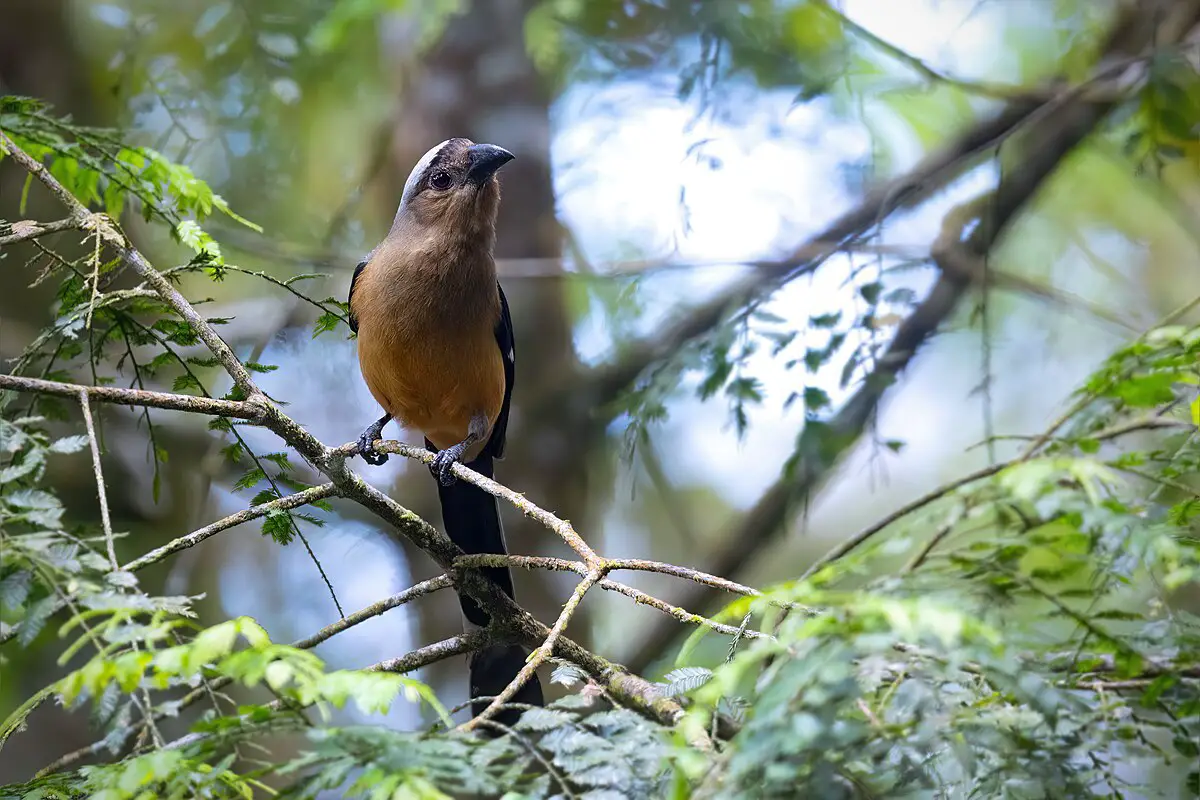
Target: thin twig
x=844 y=547
x=286 y=285
x=1083 y=402
x=609 y=565
x=105 y=520
x=375 y=609
x=694 y=575
x=194 y=538
x=563 y=528
x=530 y=748
x=683 y=615
x=641 y=597
x=941 y=533
x=541 y=654
x=638 y=596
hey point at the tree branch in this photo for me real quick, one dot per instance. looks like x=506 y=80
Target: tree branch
x=101 y=492
x=640 y=597
x=1130 y=34
x=137 y=397
x=563 y=528
x=432 y=653
x=541 y=654
x=194 y=538
x=25 y=229
x=609 y=565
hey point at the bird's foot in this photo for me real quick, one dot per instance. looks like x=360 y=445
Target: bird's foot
x=366 y=444
x=443 y=462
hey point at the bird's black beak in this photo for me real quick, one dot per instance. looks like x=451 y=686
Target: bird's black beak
x=483 y=160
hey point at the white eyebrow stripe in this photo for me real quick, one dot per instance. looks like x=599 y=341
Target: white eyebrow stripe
x=414 y=177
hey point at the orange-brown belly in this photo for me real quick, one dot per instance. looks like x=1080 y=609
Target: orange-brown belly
x=435 y=388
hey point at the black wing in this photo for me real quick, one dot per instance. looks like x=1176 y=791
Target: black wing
x=505 y=340
x=350 y=297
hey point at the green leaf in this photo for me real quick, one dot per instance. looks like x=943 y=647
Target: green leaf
x=815 y=399
x=825 y=320
x=328 y=321
x=249 y=479
x=278 y=525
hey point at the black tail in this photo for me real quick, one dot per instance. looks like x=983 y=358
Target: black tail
x=472 y=520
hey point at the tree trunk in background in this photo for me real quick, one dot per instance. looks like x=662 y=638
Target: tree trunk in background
x=478 y=82
x=38 y=58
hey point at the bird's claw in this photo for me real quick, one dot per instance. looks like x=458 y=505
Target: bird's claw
x=366 y=449
x=442 y=464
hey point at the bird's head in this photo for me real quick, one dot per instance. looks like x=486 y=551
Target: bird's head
x=454 y=185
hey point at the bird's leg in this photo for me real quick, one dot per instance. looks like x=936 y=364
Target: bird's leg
x=444 y=460
x=366 y=442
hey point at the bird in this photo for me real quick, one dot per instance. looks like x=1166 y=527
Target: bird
x=436 y=349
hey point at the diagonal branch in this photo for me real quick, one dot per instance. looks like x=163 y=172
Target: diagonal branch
x=197 y=536
x=541 y=654
x=563 y=528
x=101 y=491
x=431 y=653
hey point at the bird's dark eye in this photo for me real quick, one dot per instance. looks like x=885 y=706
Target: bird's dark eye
x=440 y=180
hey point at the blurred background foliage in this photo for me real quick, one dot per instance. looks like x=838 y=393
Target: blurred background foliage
x=667 y=150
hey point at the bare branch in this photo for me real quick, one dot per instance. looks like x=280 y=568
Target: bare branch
x=26 y=229
x=105 y=521
x=609 y=565
x=137 y=397
x=254 y=512
x=375 y=609
x=696 y=576
x=683 y=615
x=432 y=653
x=640 y=597
x=563 y=528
